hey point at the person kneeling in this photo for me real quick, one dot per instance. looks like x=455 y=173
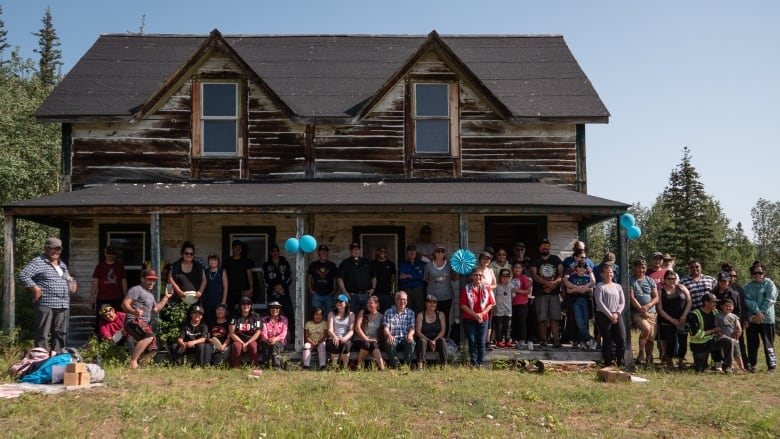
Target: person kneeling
x=192 y=339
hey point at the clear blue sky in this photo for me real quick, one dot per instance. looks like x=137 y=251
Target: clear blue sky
x=672 y=73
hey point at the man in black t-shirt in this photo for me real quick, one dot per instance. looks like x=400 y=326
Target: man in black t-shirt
x=547 y=273
x=240 y=277
x=356 y=278
x=321 y=280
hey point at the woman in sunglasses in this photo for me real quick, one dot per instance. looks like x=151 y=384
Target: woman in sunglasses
x=187 y=274
x=760 y=298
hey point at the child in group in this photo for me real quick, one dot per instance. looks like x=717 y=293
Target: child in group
x=579 y=286
x=315 y=333
x=730 y=328
x=192 y=338
x=520 y=286
x=503 y=310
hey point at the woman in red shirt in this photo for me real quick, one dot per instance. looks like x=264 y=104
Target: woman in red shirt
x=476 y=301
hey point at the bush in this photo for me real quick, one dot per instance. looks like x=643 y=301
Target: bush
x=108 y=352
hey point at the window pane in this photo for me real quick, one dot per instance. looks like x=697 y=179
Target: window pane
x=129 y=248
x=432 y=100
x=219 y=136
x=433 y=136
x=219 y=100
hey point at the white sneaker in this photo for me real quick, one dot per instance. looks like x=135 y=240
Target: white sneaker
x=592 y=345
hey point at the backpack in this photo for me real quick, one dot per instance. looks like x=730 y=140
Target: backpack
x=29 y=363
x=43 y=374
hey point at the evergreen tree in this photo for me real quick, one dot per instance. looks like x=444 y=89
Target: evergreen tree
x=48 y=47
x=697 y=226
x=3 y=37
x=766 y=228
x=739 y=251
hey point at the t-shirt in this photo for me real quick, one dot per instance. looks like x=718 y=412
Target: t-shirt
x=524 y=283
x=323 y=277
x=579 y=281
x=108 y=329
x=643 y=291
x=246 y=326
x=357 y=275
x=236 y=271
x=109 y=278
x=547 y=269
x=727 y=323
x=190 y=332
x=316 y=330
x=503 y=295
x=220 y=331
x=143 y=300
x=384 y=272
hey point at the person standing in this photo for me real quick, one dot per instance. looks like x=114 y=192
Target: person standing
x=277 y=274
x=760 y=298
x=47 y=277
x=187 y=275
x=321 y=280
x=673 y=307
x=438 y=278
x=610 y=302
x=547 y=274
x=109 y=282
x=139 y=304
x=476 y=301
x=411 y=279
x=356 y=280
x=643 y=292
x=216 y=290
x=239 y=273
x=385 y=272
x=698 y=284
x=424 y=244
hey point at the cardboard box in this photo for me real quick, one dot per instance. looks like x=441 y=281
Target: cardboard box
x=76 y=379
x=613 y=375
x=76 y=367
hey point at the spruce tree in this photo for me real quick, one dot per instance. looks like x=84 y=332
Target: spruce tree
x=48 y=47
x=3 y=37
x=697 y=225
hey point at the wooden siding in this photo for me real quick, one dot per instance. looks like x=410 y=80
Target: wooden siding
x=159 y=147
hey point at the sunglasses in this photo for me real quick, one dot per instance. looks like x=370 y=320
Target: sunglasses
x=757 y=273
x=188 y=254
x=670 y=278
x=439 y=250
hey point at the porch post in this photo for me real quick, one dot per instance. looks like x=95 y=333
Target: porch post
x=463 y=232
x=622 y=257
x=300 y=286
x=154 y=228
x=9 y=289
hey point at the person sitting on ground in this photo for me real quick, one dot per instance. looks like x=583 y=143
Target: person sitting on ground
x=705 y=337
x=430 y=329
x=192 y=338
x=244 y=332
x=367 y=332
x=730 y=328
x=218 y=346
x=274 y=335
x=340 y=330
x=111 y=324
x=139 y=304
x=502 y=313
x=315 y=336
x=399 y=324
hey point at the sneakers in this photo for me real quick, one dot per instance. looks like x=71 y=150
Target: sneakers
x=521 y=346
x=592 y=345
x=557 y=344
x=500 y=344
x=718 y=367
x=510 y=344
x=489 y=347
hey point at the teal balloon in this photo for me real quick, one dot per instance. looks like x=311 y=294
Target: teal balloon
x=291 y=245
x=633 y=232
x=627 y=220
x=308 y=243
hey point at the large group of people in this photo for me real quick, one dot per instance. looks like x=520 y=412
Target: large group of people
x=396 y=317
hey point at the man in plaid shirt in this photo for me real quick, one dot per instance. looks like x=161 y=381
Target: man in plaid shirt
x=399 y=324
x=47 y=277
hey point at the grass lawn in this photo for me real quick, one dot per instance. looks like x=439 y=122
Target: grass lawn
x=164 y=402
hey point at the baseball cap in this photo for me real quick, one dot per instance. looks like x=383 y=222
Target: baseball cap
x=323 y=247
x=342 y=298
x=149 y=274
x=105 y=309
x=544 y=241
x=724 y=276
x=53 y=242
x=504 y=272
x=657 y=255
x=431 y=298
x=274 y=304
x=197 y=308
x=667 y=257
x=246 y=299
x=354 y=245
x=709 y=297
x=519 y=244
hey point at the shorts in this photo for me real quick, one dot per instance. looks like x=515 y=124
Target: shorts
x=645 y=324
x=139 y=330
x=548 y=307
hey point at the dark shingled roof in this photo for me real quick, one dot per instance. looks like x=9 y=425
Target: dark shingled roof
x=329 y=75
x=401 y=196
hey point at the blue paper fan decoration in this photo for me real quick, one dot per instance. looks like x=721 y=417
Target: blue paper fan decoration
x=463 y=261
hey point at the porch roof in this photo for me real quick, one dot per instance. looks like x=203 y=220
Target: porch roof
x=319 y=196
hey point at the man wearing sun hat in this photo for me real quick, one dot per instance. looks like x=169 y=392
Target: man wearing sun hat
x=139 y=304
x=48 y=278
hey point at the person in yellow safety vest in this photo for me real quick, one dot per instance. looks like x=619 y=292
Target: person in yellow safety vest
x=704 y=337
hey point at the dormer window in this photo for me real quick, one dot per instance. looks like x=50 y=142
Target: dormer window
x=435 y=118
x=219 y=117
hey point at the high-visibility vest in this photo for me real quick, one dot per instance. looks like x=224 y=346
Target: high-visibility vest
x=699 y=337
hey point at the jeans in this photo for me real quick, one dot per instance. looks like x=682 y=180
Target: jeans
x=475 y=334
x=358 y=302
x=324 y=302
x=580 y=309
x=403 y=345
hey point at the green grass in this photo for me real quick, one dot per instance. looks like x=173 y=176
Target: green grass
x=455 y=402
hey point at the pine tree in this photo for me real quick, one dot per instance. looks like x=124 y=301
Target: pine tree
x=766 y=228
x=697 y=225
x=3 y=37
x=48 y=47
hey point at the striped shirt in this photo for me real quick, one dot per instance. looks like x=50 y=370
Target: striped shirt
x=54 y=286
x=698 y=288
